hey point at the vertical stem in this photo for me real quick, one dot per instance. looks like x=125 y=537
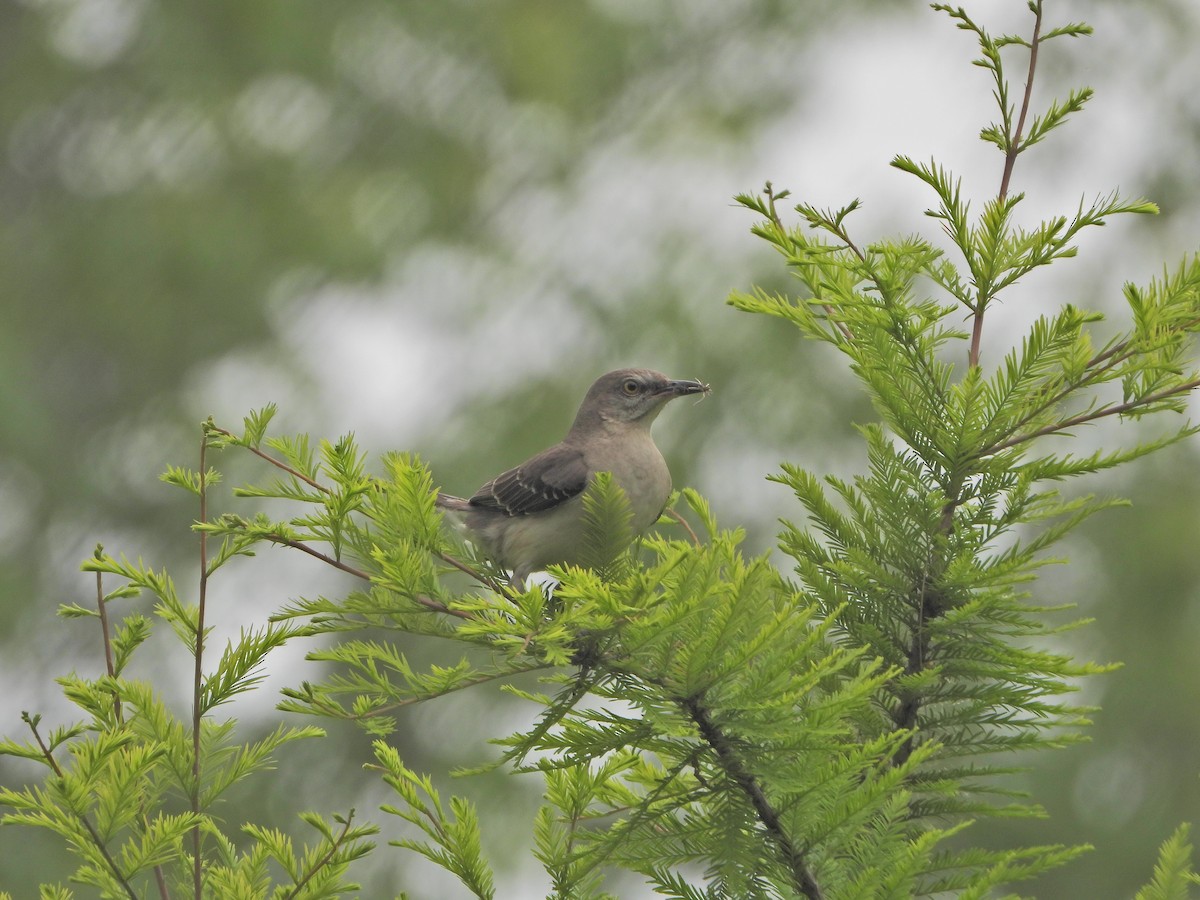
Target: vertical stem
x=1014 y=148
x=906 y=716
x=976 y=337
x=1010 y=160
x=198 y=678
x=118 y=714
x=91 y=830
x=110 y=667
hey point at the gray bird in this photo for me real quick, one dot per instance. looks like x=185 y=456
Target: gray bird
x=532 y=516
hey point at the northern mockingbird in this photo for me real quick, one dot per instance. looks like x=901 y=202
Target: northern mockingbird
x=532 y=516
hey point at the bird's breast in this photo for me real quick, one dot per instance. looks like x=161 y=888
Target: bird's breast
x=642 y=473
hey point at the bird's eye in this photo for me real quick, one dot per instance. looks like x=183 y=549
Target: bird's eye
x=630 y=387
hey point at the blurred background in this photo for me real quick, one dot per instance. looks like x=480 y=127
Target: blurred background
x=434 y=224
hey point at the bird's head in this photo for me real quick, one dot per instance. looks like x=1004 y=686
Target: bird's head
x=629 y=396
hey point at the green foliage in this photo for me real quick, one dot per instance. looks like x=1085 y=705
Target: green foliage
x=608 y=529
x=1006 y=133
x=1173 y=875
x=705 y=722
x=318 y=871
x=132 y=787
x=107 y=804
x=720 y=685
x=926 y=559
x=454 y=839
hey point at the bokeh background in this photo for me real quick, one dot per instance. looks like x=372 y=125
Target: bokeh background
x=433 y=224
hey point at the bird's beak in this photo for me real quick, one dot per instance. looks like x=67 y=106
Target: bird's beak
x=682 y=388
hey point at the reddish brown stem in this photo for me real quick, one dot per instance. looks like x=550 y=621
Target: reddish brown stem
x=908 y=714
x=1010 y=160
x=277 y=463
x=1014 y=149
x=280 y=464
x=323 y=861
x=95 y=835
x=198 y=676
x=110 y=667
x=686 y=527
x=1115 y=409
x=474 y=573
x=427 y=602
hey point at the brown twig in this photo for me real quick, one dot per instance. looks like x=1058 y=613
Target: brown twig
x=1014 y=149
x=1010 y=160
x=474 y=573
x=929 y=607
x=773 y=215
x=281 y=465
x=1115 y=409
x=198 y=677
x=1095 y=368
x=276 y=462
x=678 y=517
x=427 y=602
x=95 y=835
x=109 y=665
x=323 y=861
x=844 y=235
x=474 y=682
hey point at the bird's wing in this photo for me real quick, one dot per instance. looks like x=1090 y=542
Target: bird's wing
x=543 y=482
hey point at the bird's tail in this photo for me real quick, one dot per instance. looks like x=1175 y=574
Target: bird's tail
x=451 y=503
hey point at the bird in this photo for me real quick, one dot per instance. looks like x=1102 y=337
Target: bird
x=531 y=516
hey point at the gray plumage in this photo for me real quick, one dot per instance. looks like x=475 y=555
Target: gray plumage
x=531 y=516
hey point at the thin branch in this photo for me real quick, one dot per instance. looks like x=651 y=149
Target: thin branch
x=280 y=464
x=198 y=677
x=275 y=538
x=1010 y=160
x=276 y=462
x=845 y=329
x=634 y=816
x=678 y=517
x=474 y=573
x=338 y=564
x=841 y=232
x=584 y=681
x=1014 y=148
x=427 y=602
x=474 y=682
x=732 y=765
x=1114 y=409
x=773 y=215
x=53 y=763
x=110 y=667
x=976 y=337
x=161 y=881
x=1122 y=350
x=1096 y=367
x=118 y=711
x=929 y=607
x=324 y=860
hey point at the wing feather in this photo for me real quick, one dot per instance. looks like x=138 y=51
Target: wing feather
x=543 y=482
